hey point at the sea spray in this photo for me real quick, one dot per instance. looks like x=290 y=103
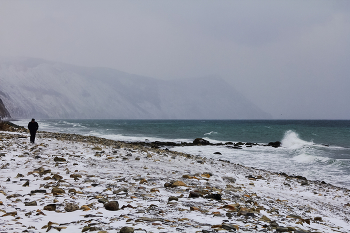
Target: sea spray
x=291 y=140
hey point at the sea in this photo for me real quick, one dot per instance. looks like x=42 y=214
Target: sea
x=315 y=149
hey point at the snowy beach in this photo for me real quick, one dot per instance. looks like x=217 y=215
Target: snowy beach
x=73 y=183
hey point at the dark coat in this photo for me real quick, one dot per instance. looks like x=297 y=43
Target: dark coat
x=33 y=126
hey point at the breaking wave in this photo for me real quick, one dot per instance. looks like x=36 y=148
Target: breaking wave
x=291 y=140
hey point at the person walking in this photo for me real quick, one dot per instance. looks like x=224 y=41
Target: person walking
x=33 y=126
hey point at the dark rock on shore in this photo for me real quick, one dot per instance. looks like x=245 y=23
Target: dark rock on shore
x=200 y=141
x=275 y=144
x=112 y=206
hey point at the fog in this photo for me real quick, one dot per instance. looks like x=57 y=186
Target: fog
x=291 y=58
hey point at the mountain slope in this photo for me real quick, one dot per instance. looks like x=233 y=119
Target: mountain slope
x=43 y=89
x=3 y=111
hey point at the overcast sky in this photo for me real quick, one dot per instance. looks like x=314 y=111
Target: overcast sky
x=291 y=58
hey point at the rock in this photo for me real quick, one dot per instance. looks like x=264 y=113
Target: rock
x=26 y=184
x=282 y=229
x=229 y=179
x=70 y=207
x=228 y=227
x=172 y=198
x=318 y=219
x=178 y=183
x=89 y=228
x=75 y=176
x=57 y=191
x=50 y=207
x=265 y=219
x=304 y=183
x=72 y=191
x=274 y=224
x=167 y=185
x=103 y=200
x=121 y=190
x=215 y=196
x=38 y=191
x=200 y=141
x=206 y=175
x=59 y=159
x=193 y=195
x=85 y=208
x=217 y=153
x=57 y=177
x=31 y=203
x=112 y=205
x=127 y=230
x=275 y=144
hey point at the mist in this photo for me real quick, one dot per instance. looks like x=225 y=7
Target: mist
x=290 y=58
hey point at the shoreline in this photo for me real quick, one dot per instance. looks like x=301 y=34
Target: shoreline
x=156 y=190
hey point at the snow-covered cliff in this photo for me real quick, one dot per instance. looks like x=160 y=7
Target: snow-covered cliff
x=38 y=88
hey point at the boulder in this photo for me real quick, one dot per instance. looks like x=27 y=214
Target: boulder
x=200 y=141
x=50 y=207
x=57 y=191
x=127 y=230
x=112 y=206
x=31 y=203
x=275 y=144
x=70 y=207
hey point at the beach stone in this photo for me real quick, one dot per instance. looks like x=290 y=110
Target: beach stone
x=112 y=205
x=206 y=175
x=274 y=224
x=178 y=183
x=304 y=183
x=38 y=191
x=127 y=230
x=282 y=229
x=123 y=190
x=57 y=191
x=72 y=191
x=89 y=228
x=26 y=184
x=70 y=207
x=75 y=176
x=200 y=141
x=228 y=227
x=31 y=203
x=103 y=200
x=265 y=219
x=59 y=159
x=173 y=198
x=275 y=144
x=57 y=177
x=215 y=196
x=229 y=179
x=193 y=195
x=50 y=207
x=85 y=208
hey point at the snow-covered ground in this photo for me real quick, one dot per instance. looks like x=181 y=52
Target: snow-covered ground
x=63 y=182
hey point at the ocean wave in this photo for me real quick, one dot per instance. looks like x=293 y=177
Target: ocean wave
x=210 y=133
x=291 y=140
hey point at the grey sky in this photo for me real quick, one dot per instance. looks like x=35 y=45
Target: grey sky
x=291 y=58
